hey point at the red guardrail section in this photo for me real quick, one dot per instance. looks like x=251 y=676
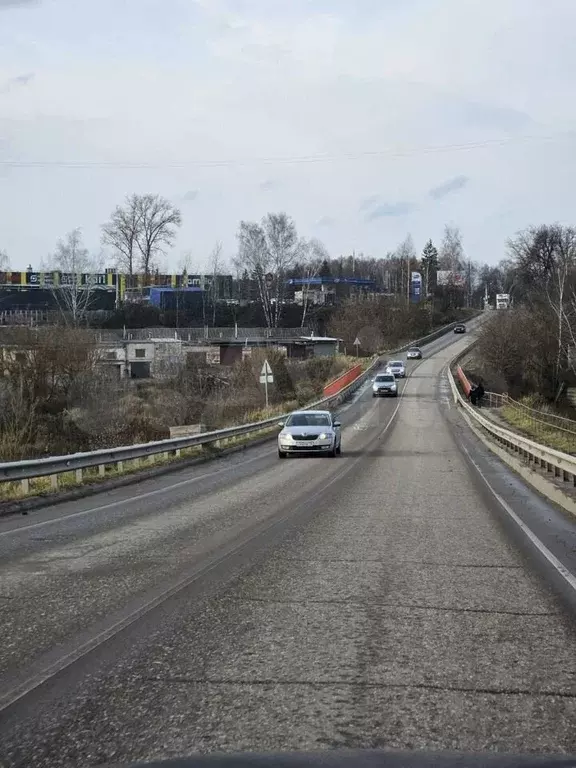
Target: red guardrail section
x=342 y=381
x=463 y=380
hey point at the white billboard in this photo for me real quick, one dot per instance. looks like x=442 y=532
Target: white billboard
x=449 y=277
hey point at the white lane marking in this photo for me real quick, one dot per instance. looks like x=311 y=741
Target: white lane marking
x=542 y=548
x=129 y=500
x=21 y=690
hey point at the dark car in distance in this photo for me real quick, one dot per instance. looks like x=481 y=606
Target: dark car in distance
x=460 y=328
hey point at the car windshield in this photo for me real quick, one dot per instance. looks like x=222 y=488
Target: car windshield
x=384 y=377
x=414 y=349
x=396 y=364
x=308 y=420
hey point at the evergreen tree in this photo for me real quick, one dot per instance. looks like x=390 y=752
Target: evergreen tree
x=429 y=266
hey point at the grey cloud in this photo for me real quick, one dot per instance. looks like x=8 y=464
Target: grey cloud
x=23 y=79
x=368 y=202
x=190 y=196
x=481 y=115
x=264 y=52
x=390 y=209
x=325 y=221
x=16 y=3
x=15 y=82
x=452 y=185
x=268 y=185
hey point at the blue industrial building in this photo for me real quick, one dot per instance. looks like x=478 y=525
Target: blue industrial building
x=173 y=298
x=352 y=281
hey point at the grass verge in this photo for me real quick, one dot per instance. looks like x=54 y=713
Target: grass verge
x=539 y=431
x=41 y=486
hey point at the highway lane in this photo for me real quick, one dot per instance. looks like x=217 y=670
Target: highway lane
x=178 y=484
x=75 y=569
x=394 y=612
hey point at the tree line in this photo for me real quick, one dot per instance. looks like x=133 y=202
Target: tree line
x=532 y=350
x=141 y=231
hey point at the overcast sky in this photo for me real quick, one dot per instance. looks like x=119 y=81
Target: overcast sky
x=364 y=121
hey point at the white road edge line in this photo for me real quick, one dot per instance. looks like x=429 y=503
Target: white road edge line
x=542 y=548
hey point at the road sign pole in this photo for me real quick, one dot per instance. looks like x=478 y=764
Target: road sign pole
x=266 y=377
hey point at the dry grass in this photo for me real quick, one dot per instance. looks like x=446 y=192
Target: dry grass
x=235 y=413
x=539 y=431
x=41 y=486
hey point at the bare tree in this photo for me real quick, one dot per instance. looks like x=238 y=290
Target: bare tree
x=253 y=254
x=140 y=230
x=559 y=281
x=122 y=232
x=312 y=255
x=451 y=250
x=534 y=254
x=158 y=221
x=216 y=265
x=283 y=247
x=18 y=418
x=268 y=250
x=185 y=266
x=406 y=255
x=4 y=261
x=75 y=292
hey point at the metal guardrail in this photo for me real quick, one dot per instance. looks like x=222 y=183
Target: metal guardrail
x=203 y=333
x=493 y=400
x=561 y=423
x=562 y=465
x=29 y=469
x=541 y=425
x=537 y=415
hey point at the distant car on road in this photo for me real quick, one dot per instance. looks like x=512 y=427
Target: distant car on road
x=414 y=354
x=385 y=385
x=459 y=329
x=310 y=432
x=397 y=368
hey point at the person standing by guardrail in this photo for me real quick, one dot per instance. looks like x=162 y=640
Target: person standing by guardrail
x=477 y=392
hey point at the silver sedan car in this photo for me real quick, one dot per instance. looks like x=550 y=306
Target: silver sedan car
x=414 y=353
x=396 y=367
x=384 y=384
x=310 y=432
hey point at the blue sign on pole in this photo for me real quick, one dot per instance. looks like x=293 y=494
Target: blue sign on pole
x=416 y=287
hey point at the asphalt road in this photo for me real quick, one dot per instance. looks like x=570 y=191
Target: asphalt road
x=380 y=599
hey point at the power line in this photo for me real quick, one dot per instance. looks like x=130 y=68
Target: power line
x=291 y=160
